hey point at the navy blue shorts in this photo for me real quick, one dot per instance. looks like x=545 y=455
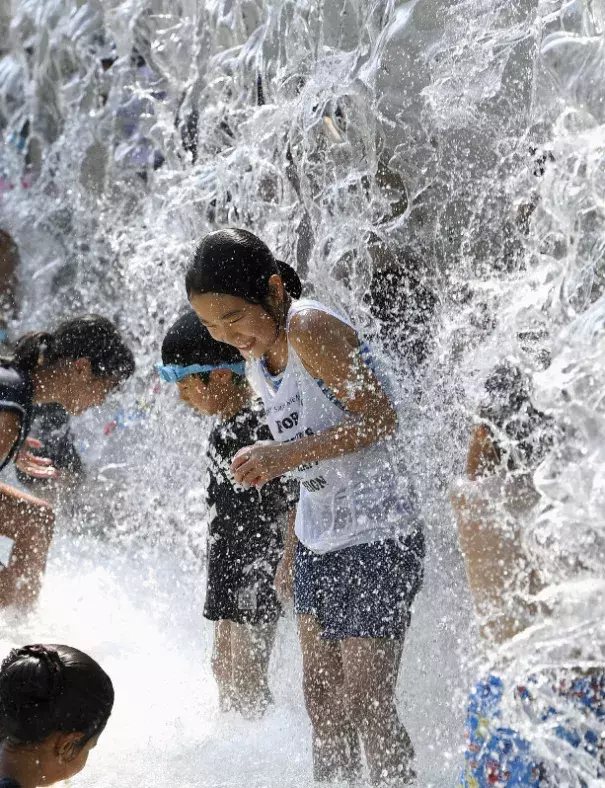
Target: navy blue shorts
x=364 y=591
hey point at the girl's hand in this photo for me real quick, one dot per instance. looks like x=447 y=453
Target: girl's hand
x=37 y=467
x=256 y=465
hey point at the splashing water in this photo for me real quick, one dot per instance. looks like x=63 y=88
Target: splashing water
x=347 y=135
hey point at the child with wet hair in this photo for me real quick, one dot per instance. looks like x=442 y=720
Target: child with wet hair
x=245 y=529
x=50 y=422
x=54 y=704
x=354 y=554
x=77 y=366
x=560 y=735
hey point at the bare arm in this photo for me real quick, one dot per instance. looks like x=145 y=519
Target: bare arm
x=482 y=458
x=329 y=351
x=500 y=578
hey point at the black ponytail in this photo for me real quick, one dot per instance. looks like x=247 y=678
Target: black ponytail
x=52 y=689
x=92 y=337
x=290 y=279
x=236 y=262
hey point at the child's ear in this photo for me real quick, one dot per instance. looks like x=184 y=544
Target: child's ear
x=67 y=746
x=276 y=288
x=83 y=367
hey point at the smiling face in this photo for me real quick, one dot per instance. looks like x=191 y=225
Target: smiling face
x=237 y=322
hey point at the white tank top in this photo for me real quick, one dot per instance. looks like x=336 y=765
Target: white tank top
x=345 y=501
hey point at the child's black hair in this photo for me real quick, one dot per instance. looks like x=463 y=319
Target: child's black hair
x=52 y=689
x=236 y=262
x=91 y=336
x=189 y=342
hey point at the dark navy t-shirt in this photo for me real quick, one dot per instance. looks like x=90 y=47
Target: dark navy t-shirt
x=234 y=509
x=16 y=394
x=8 y=782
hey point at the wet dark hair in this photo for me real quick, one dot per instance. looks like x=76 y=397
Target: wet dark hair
x=236 y=262
x=92 y=337
x=52 y=689
x=189 y=342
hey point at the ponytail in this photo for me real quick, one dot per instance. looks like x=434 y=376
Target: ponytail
x=290 y=279
x=92 y=337
x=236 y=262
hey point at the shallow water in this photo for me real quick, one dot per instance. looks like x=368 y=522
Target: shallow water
x=139 y=613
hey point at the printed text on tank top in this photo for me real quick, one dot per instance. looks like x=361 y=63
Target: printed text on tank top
x=290 y=421
x=287 y=426
x=347 y=500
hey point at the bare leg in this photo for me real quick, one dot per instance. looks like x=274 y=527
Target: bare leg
x=29 y=522
x=371 y=666
x=251 y=648
x=335 y=743
x=222 y=664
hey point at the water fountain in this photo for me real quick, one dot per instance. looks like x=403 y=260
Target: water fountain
x=354 y=137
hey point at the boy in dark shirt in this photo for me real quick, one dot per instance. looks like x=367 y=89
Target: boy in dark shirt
x=246 y=526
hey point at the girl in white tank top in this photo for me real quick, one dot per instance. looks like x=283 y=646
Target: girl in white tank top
x=344 y=501
x=358 y=566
